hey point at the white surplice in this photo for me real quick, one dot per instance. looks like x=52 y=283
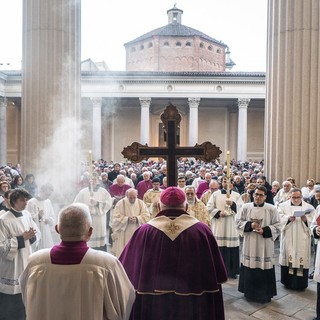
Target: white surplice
x=13 y=260
x=98 y=213
x=295 y=241
x=223 y=228
x=122 y=229
x=96 y=289
x=257 y=251
x=44 y=223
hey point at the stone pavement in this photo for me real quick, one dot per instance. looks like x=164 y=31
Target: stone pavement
x=288 y=304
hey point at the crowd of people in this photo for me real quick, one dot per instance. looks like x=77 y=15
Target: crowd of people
x=124 y=200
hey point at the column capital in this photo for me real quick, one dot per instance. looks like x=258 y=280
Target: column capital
x=145 y=102
x=96 y=101
x=194 y=102
x=243 y=102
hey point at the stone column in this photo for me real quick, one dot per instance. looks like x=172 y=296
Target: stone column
x=145 y=120
x=242 y=129
x=96 y=128
x=193 y=120
x=293 y=85
x=51 y=91
x=233 y=132
x=3 y=131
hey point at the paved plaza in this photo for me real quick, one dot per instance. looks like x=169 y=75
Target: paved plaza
x=288 y=304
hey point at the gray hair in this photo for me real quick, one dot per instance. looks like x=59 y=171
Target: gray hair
x=74 y=220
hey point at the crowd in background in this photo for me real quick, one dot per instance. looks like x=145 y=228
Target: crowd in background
x=245 y=175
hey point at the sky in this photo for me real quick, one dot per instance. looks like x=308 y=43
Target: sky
x=108 y=24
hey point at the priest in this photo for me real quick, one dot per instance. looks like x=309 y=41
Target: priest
x=72 y=281
x=259 y=224
x=99 y=202
x=296 y=216
x=174 y=263
x=18 y=234
x=129 y=213
x=222 y=207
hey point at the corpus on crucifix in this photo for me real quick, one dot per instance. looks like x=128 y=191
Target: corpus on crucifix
x=171 y=119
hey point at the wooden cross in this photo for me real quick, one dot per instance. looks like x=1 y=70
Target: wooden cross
x=172 y=151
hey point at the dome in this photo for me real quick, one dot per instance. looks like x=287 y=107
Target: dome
x=175 y=47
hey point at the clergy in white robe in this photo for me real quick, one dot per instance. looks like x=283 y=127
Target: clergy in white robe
x=43 y=215
x=283 y=194
x=72 y=281
x=99 y=201
x=296 y=217
x=259 y=224
x=129 y=214
x=223 y=225
x=17 y=234
x=152 y=196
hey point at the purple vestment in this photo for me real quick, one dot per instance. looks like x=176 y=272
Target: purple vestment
x=117 y=191
x=142 y=188
x=68 y=252
x=178 y=279
x=202 y=187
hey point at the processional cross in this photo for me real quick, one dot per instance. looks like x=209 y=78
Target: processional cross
x=172 y=151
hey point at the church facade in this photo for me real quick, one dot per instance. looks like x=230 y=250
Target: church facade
x=172 y=64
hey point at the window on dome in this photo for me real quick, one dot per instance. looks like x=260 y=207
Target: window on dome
x=218 y=50
x=166 y=44
x=178 y=44
x=133 y=49
x=188 y=44
x=210 y=48
x=175 y=17
x=150 y=45
x=201 y=45
x=142 y=47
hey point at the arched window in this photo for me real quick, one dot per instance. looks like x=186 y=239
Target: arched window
x=142 y=47
x=150 y=45
x=166 y=44
x=201 y=45
x=210 y=48
x=178 y=44
x=219 y=50
x=188 y=44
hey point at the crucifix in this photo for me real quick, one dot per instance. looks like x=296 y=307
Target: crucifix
x=171 y=119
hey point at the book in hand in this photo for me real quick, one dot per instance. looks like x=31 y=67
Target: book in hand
x=301 y=213
x=318 y=220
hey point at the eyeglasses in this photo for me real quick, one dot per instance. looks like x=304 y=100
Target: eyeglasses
x=189 y=194
x=259 y=194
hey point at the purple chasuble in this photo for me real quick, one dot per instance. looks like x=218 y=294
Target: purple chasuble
x=181 y=279
x=68 y=252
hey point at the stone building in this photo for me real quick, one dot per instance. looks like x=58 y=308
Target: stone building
x=172 y=64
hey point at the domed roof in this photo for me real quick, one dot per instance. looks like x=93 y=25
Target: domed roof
x=175 y=29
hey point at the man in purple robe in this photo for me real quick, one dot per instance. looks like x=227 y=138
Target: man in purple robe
x=175 y=265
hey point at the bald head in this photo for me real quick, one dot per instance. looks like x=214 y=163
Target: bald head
x=74 y=223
